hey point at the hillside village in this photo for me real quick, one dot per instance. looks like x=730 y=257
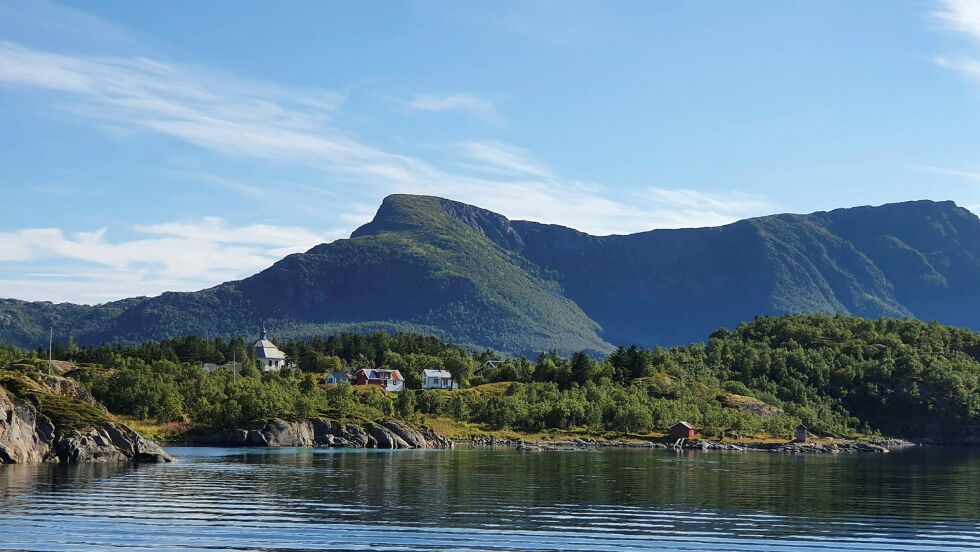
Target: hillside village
x=269 y=358
x=783 y=378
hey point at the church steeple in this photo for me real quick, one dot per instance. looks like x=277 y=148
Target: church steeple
x=269 y=356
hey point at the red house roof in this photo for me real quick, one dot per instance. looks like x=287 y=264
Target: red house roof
x=393 y=375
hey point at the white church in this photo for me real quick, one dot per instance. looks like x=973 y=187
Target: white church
x=269 y=356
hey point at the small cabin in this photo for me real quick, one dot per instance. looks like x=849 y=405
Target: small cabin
x=802 y=434
x=682 y=430
x=336 y=378
x=438 y=379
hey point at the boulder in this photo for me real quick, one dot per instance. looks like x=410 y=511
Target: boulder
x=280 y=433
x=382 y=437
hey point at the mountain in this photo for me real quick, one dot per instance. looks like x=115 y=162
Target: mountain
x=433 y=266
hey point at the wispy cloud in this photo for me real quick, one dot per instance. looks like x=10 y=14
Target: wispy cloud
x=945 y=171
x=184 y=255
x=960 y=15
x=963 y=18
x=242 y=118
x=679 y=207
x=299 y=128
x=957 y=173
x=502 y=159
x=471 y=104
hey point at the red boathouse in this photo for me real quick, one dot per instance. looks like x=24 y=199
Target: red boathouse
x=683 y=430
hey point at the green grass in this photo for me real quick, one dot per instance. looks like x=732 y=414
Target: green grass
x=65 y=413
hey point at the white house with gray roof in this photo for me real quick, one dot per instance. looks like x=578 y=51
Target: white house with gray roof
x=438 y=379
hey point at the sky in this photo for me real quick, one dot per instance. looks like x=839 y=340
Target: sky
x=168 y=146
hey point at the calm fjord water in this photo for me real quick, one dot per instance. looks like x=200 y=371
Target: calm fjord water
x=493 y=499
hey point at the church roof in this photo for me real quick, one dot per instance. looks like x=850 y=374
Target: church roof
x=266 y=350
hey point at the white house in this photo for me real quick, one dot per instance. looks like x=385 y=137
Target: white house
x=269 y=356
x=438 y=379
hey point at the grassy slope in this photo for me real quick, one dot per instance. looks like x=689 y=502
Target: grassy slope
x=64 y=411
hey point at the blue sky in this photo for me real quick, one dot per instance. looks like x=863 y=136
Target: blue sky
x=161 y=146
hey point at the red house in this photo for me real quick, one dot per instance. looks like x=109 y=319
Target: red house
x=389 y=380
x=683 y=430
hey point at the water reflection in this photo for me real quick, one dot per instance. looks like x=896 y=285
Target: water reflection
x=314 y=499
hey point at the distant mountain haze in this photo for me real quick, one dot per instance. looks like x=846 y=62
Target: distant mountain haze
x=434 y=266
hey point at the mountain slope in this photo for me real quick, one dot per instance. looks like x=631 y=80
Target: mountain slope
x=462 y=273
x=416 y=267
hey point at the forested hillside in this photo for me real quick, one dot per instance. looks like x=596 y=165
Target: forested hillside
x=436 y=267
x=839 y=375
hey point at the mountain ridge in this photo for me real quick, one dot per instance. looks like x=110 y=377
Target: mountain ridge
x=459 y=272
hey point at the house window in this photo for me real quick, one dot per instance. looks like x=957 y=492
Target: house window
x=270 y=363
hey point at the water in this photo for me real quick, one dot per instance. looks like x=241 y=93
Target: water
x=486 y=499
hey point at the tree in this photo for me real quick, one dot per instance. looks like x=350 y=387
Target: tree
x=308 y=385
x=362 y=362
x=583 y=368
x=458 y=408
x=632 y=416
x=459 y=365
x=405 y=403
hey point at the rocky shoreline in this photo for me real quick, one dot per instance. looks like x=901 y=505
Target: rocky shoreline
x=322 y=432
x=31 y=435
x=578 y=445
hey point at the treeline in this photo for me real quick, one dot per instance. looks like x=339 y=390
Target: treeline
x=839 y=375
x=635 y=408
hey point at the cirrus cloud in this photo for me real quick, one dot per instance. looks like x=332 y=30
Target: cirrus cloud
x=276 y=126
x=471 y=104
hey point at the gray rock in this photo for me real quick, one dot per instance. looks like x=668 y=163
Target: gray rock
x=280 y=433
x=27 y=436
x=322 y=432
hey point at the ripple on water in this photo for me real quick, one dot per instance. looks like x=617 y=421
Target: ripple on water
x=479 y=499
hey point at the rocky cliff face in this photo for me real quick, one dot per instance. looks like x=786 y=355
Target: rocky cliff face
x=47 y=418
x=326 y=433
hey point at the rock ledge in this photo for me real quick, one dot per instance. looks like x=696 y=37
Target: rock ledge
x=321 y=432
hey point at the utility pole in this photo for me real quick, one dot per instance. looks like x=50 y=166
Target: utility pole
x=50 y=346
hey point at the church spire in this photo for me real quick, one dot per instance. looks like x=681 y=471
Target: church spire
x=262 y=335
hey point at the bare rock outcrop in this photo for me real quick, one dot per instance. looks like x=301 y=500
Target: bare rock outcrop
x=74 y=429
x=25 y=437
x=322 y=432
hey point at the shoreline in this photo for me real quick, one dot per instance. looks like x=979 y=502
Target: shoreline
x=586 y=445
